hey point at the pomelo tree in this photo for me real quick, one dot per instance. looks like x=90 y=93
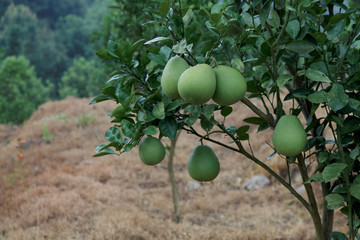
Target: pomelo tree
x=305 y=52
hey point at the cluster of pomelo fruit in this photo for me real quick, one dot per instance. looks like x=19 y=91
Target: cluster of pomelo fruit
x=226 y=86
x=199 y=84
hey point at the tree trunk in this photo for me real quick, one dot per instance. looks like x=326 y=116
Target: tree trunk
x=174 y=189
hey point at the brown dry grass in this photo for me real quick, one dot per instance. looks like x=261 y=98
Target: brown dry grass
x=59 y=191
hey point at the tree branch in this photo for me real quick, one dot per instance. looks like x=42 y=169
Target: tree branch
x=267 y=118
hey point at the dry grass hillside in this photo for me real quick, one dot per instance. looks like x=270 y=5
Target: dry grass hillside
x=52 y=188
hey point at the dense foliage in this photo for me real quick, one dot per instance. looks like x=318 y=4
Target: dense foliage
x=306 y=52
x=21 y=90
x=83 y=79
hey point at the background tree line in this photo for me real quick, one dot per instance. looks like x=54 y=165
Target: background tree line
x=47 y=52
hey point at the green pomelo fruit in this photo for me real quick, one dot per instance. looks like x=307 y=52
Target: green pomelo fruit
x=170 y=76
x=230 y=85
x=197 y=84
x=289 y=137
x=203 y=165
x=151 y=151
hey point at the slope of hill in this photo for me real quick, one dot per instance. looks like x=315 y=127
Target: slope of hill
x=52 y=188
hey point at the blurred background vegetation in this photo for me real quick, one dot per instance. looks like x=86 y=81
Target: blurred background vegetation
x=47 y=48
x=47 y=51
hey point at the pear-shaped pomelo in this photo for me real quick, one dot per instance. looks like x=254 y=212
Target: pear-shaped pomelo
x=289 y=137
x=151 y=151
x=170 y=76
x=230 y=85
x=197 y=84
x=203 y=165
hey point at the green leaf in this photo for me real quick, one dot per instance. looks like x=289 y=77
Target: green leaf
x=283 y=79
x=111 y=47
x=341 y=188
x=161 y=57
x=355 y=188
x=336 y=29
x=113 y=134
x=323 y=156
x=102 y=150
x=168 y=127
x=206 y=124
x=354 y=104
x=334 y=201
x=106 y=151
x=118 y=112
x=238 y=64
x=151 y=130
x=338 y=236
x=318 y=97
x=332 y=171
x=241 y=132
x=100 y=98
x=117 y=77
x=136 y=45
x=319 y=37
x=142 y=116
x=216 y=12
x=164 y=8
x=301 y=92
x=159 y=110
x=208 y=110
x=157 y=39
x=350 y=125
x=212 y=29
x=103 y=54
x=264 y=13
x=316 y=177
x=187 y=17
x=254 y=120
x=110 y=91
x=355 y=152
x=195 y=112
x=174 y=105
x=226 y=111
x=316 y=75
x=337 y=98
x=274 y=21
x=293 y=28
x=247 y=18
x=181 y=47
x=300 y=46
x=122 y=95
x=338 y=17
x=128 y=128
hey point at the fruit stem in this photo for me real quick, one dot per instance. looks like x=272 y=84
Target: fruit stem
x=213 y=60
